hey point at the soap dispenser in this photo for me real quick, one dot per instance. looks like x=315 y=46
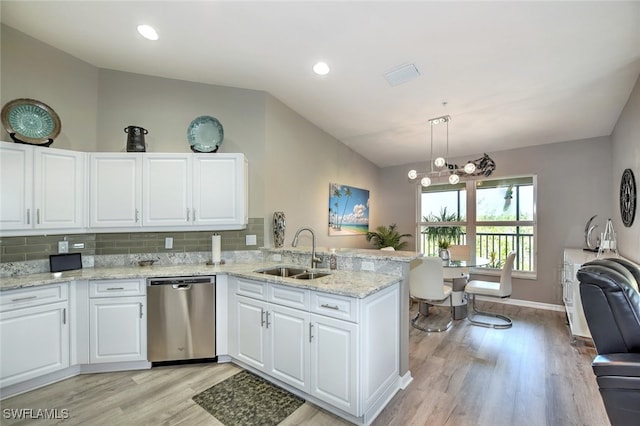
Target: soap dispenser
x=333 y=259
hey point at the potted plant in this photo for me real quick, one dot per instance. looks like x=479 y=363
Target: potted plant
x=387 y=236
x=443 y=236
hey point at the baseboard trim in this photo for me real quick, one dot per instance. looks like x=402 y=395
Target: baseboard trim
x=524 y=303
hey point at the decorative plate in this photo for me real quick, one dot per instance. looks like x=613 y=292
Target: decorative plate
x=628 y=201
x=30 y=121
x=205 y=134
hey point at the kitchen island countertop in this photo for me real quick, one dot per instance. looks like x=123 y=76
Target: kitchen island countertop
x=357 y=284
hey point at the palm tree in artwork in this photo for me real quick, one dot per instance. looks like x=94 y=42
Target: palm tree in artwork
x=337 y=194
x=347 y=193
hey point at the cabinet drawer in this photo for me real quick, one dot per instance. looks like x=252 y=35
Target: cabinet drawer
x=332 y=305
x=33 y=296
x=255 y=289
x=115 y=288
x=289 y=296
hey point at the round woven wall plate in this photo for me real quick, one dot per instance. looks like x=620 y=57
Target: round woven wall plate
x=30 y=120
x=628 y=198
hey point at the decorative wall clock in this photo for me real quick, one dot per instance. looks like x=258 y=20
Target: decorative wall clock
x=628 y=200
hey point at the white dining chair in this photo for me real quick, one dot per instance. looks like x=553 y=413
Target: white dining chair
x=426 y=286
x=501 y=289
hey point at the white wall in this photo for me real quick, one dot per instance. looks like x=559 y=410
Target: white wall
x=626 y=155
x=574 y=180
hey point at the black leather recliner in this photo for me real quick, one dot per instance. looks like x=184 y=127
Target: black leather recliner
x=611 y=303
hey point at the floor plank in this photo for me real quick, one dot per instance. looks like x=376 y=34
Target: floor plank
x=528 y=374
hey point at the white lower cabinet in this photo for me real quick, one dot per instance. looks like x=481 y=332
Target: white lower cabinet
x=340 y=350
x=117 y=324
x=334 y=366
x=34 y=332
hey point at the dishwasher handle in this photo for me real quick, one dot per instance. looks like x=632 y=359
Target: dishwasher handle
x=181 y=286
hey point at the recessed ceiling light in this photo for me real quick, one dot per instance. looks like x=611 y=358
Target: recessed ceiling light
x=147 y=32
x=321 y=68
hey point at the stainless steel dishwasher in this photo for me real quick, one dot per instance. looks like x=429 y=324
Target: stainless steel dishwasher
x=181 y=319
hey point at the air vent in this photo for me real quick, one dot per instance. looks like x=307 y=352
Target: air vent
x=401 y=74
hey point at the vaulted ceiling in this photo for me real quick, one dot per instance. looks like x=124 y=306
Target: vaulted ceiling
x=512 y=74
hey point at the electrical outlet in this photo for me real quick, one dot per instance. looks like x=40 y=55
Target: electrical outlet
x=277 y=257
x=168 y=243
x=367 y=266
x=63 y=246
x=251 y=240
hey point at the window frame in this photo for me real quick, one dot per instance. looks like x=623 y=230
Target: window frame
x=471 y=223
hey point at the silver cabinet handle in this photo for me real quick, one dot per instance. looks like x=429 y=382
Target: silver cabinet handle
x=187 y=215
x=38 y=216
x=137 y=215
x=261 y=317
x=115 y=288
x=22 y=299
x=140 y=310
x=64 y=315
x=267 y=312
x=28 y=216
x=194 y=215
x=310 y=332
x=330 y=306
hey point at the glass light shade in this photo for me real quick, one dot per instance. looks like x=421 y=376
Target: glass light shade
x=469 y=168
x=439 y=162
x=425 y=181
x=412 y=174
x=453 y=179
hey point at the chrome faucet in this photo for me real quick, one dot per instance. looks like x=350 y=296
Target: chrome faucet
x=314 y=260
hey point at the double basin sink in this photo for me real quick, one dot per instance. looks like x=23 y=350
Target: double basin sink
x=289 y=272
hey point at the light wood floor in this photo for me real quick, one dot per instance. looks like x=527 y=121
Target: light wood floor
x=526 y=375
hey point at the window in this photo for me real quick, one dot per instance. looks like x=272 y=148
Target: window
x=493 y=216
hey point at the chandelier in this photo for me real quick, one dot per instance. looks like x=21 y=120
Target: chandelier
x=440 y=166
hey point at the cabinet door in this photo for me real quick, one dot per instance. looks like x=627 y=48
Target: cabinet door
x=16 y=186
x=166 y=190
x=115 y=191
x=251 y=337
x=219 y=189
x=58 y=188
x=34 y=341
x=289 y=345
x=334 y=362
x=118 y=329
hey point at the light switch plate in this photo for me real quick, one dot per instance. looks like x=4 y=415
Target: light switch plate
x=168 y=243
x=251 y=240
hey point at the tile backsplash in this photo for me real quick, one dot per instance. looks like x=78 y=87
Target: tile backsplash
x=19 y=249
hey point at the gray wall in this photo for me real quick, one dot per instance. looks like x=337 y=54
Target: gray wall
x=625 y=155
x=301 y=161
x=574 y=180
x=32 y=69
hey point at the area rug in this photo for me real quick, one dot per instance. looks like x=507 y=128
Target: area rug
x=246 y=399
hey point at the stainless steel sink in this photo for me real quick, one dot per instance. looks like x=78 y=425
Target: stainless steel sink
x=282 y=271
x=311 y=275
x=297 y=273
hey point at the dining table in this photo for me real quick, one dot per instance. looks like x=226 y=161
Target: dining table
x=457 y=272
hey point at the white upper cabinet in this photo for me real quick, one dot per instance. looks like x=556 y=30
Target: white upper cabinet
x=220 y=189
x=166 y=190
x=156 y=191
x=115 y=190
x=42 y=188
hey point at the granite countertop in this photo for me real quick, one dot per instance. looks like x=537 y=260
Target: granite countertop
x=357 y=284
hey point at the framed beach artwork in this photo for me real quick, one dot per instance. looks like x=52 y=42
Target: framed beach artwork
x=348 y=210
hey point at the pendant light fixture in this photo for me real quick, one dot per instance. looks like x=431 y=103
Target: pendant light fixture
x=440 y=167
